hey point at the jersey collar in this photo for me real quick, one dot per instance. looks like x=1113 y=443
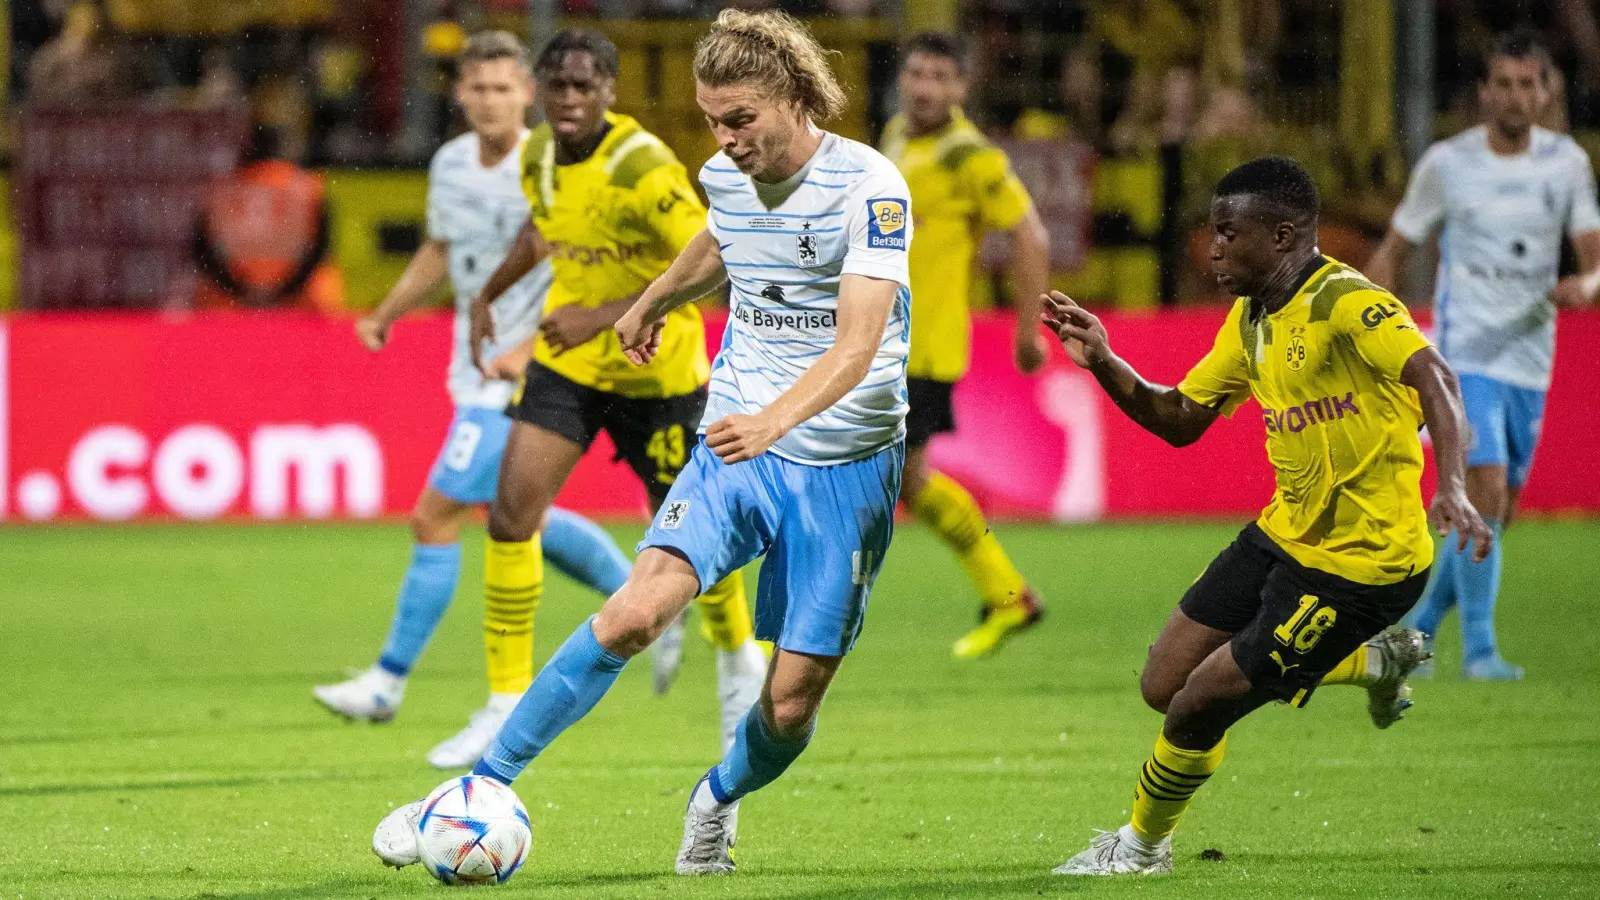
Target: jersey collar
x=1307 y=278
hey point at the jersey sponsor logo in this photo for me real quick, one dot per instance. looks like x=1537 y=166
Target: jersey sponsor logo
x=887 y=225
x=1296 y=419
x=1374 y=315
x=672 y=514
x=799 y=320
x=596 y=256
x=805 y=250
x=773 y=292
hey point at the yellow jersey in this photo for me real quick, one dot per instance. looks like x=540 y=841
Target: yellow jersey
x=1341 y=428
x=614 y=222
x=961 y=186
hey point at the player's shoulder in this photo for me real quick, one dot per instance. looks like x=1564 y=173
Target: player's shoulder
x=1341 y=291
x=1555 y=148
x=454 y=156
x=634 y=153
x=853 y=164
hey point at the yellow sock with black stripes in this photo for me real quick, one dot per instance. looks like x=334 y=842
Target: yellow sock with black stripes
x=950 y=511
x=513 y=581
x=725 y=613
x=1356 y=669
x=1166 y=785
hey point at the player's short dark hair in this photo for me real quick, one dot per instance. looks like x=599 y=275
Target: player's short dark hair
x=578 y=40
x=1518 y=43
x=940 y=43
x=1278 y=181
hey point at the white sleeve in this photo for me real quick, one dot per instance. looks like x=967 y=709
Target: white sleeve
x=878 y=220
x=435 y=206
x=1584 y=216
x=1423 y=208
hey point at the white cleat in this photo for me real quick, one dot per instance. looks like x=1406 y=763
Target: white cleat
x=466 y=747
x=396 y=841
x=740 y=674
x=1402 y=650
x=1119 y=853
x=709 y=829
x=666 y=655
x=373 y=695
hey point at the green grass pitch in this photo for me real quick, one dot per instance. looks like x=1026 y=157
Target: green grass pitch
x=158 y=737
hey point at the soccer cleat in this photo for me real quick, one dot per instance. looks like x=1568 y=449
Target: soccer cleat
x=1424 y=669
x=709 y=829
x=1491 y=668
x=666 y=655
x=396 y=841
x=373 y=695
x=1000 y=624
x=1401 y=649
x=1118 y=853
x=740 y=675
x=466 y=746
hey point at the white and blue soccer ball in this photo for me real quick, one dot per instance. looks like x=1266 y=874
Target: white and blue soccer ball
x=474 y=830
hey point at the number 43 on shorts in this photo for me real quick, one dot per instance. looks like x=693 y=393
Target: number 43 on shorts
x=1306 y=626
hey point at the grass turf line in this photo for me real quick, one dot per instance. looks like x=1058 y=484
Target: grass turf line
x=158 y=738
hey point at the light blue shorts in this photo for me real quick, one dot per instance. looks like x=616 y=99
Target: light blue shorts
x=468 y=467
x=1505 y=422
x=824 y=531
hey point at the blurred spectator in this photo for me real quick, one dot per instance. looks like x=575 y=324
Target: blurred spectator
x=1077 y=110
x=82 y=65
x=262 y=236
x=220 y=86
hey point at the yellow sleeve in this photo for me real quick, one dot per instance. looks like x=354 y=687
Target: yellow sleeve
x=1381 y=329
x=1221 y=379
x=1001 y=198
x=669 y=207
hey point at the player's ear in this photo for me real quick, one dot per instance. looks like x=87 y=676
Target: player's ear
x=1283 y=237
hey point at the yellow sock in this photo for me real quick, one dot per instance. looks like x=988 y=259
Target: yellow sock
x=1353 y=670
x=725 y=613
x=1167 y=783
x=513 y=581
x=950 y=511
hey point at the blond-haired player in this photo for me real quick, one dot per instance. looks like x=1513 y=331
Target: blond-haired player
x=802 y=443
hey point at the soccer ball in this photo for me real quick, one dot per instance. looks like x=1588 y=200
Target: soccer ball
x=473 y=830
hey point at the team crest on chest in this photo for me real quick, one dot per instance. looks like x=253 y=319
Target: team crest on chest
x=805 y=249
x=1296 y=352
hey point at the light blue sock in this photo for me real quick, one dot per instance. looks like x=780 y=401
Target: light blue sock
x=757 y=758
x=1477 y=588
x=1440 y=595
x=424 y=596
x=583 y=551
x=569 y=685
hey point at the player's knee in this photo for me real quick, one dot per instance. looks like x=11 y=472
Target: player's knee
x=625 y=628
x=1157 y=690
x=514 y=522
x=792 y=717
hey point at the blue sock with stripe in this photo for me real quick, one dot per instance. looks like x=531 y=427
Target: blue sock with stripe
x=1477 y=588
x=425 y=594
x=582 y=551
x=756 y=760
x=1440 y=595
x=569 y=685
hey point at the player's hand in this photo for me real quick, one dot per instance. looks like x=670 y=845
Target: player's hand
x=1080 y=331
x=480 y=331
x=571 y=326
x=737 y=438
x=1029 y=352
x=510 y=365
x=1572 y=293
x=373 y=332
x=1452 y=509
x=640 y=341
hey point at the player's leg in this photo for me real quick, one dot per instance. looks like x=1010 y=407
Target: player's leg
x=583 y=551
x=836 y=527
x=462 y=476
x=1501 y=421
x=937 y=501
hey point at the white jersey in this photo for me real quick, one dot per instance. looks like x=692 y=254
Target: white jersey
x=478 y=212
x=1498 y=253
x=786 y=246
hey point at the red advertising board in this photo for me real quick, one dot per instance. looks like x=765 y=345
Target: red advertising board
x=283 y=415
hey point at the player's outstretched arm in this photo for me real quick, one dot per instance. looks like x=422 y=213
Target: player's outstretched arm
x=1439 y=392
x=525 y=253
x=695 y=272
x=423 y=275
x=864 y=306
x=1030 y=277
x=1163 y=411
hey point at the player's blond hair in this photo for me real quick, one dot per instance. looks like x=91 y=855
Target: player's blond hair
x=774 y=52
x=487 y=46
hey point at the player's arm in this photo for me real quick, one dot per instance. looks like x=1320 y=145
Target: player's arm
x=1579 y=290
x=1420 y=212
x=1439 y=393
x=864 y=306
x=695 y=272
x=1030 y=277
x=526 y=251
x=1165 y=412
x=422 y=277
x=1390 y=259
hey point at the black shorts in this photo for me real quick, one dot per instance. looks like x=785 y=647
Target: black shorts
x=931 y=410
x=1291 y=624
x=654 y=435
